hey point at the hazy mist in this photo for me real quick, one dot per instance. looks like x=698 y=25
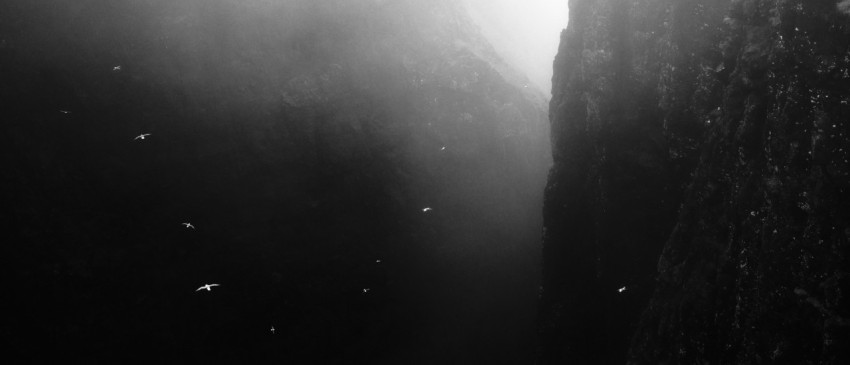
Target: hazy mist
x=525 y=32
x=363 y=179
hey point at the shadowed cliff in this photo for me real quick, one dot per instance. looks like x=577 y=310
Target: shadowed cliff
x=701 y=164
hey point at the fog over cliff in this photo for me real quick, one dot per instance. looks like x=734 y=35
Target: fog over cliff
x=526 y=33
x=392 y=182
x=361 y=179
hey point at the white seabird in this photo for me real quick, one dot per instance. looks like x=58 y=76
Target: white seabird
x=188 y=225
x=65 y=112
x=366 y=290
x=426 y=209
x=141 y=136
x=208 y=287
x=116 y=68
x=621 y=290
x=272 y=329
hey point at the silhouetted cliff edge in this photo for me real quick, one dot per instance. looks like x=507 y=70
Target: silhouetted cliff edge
x=701 y=163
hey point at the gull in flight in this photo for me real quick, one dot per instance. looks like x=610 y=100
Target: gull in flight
x=188 y=225
x=272 y=329
x=64 y=112
x=621 y=290
x=426 y=209
x=208 y=287
x=378 y=261
x=141 y=136
x=116 y=68
x=366 y=290
x=443 y=149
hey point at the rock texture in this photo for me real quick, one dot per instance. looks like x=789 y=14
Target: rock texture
x=303 y=139
x=701 y=162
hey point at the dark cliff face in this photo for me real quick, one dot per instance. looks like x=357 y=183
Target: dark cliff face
x=303 y=139
x=701 y=162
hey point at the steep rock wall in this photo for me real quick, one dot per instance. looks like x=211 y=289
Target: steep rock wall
x=709 y=134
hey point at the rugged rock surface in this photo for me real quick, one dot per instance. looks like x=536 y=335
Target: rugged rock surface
x=302 y=138
x=711 y=134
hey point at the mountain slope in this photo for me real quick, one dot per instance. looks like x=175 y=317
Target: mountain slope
x=302 y=139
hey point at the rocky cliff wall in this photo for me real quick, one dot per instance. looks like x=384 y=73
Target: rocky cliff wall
x=700 y=163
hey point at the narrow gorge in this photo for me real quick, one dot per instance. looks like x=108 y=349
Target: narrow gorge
x=392 y=182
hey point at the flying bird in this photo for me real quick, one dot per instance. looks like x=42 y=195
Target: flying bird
x=443 y=149
x=621 y=290
x=426 y=209
x=272 y=329
x=141 y=136
x=116 y=68
x=378 y=261
x=188 y=225
x=366 y=290
x=64 y=112
x=208 y=287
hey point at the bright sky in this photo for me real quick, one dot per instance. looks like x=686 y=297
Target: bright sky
x=525 y=32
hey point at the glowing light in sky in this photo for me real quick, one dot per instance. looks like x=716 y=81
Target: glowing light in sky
x=525 y=32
